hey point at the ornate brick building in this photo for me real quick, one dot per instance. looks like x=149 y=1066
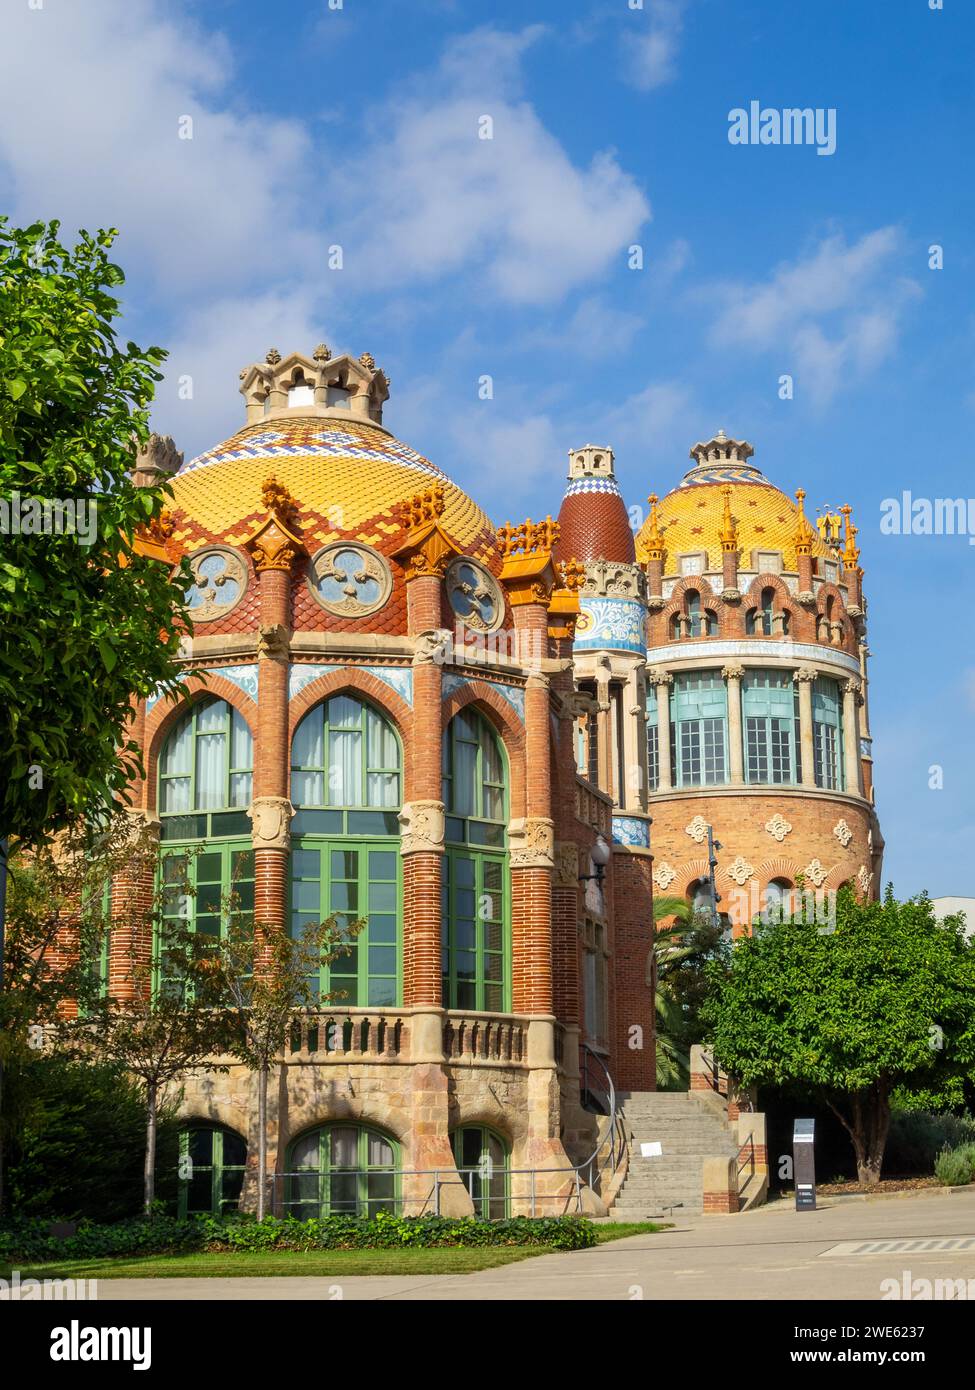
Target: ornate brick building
x=398 y=712
x=757 y=690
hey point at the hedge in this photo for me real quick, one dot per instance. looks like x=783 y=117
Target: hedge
x=29 y=1241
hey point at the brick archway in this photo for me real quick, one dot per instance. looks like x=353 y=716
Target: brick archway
x=166 y=713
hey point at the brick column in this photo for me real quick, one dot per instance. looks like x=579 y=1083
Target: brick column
x=130 y=941
x=275 y=548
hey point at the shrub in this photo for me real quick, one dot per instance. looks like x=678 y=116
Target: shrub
x=917 y=1137
x=79 y=1144
x=956 y=1167
x=28 y=1241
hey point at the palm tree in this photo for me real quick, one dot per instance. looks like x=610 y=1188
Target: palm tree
x=687 y=938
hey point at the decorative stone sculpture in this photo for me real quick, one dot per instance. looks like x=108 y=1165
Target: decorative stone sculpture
x=422 y=827
x=843 y=833
x=532 y=843
x=270 y=818
x=778 y=827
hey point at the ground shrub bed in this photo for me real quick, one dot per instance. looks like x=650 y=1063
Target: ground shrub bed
x=956 y=1167
x=163 y=1235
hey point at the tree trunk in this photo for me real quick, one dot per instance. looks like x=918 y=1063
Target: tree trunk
x=868 y=1128
x=261 y=1141
x=149 y=1171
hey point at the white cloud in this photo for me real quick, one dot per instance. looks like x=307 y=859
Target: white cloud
x=652 y=43
x=831 y=316
x=93 y=95
x=513 y=215
x=215 y=343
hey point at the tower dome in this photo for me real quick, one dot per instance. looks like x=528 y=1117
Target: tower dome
x=593 y=517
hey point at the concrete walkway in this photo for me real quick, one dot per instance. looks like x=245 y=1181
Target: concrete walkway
x=771 y=1253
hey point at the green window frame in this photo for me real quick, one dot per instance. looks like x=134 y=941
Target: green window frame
x=474 y=782
x=699 y=729
x=483 y=1159
x=212 y=1164
x=205 y=888
x=653 y=739
x=343 y=1170
x=475 y=935
x=827 y=714
x=206 y=774
x=346 y=753
x=770 y=723
x=352 y=879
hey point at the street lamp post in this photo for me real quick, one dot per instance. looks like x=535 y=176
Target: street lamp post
x=713 y=844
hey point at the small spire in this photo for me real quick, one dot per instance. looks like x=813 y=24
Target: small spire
x=803 y=535
x=653 y=540
x=851 y=552
x=729 y=532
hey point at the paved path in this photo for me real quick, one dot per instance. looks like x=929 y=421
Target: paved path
x=771 y=1253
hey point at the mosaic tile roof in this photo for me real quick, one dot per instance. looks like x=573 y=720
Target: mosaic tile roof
x=691 y=519
x=347 y=477
x=594 y=523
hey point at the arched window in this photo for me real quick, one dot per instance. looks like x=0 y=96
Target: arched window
x=205 y=776
x=342 y=1170
x=205 y=773
x=694 y=613
x=346 y=778
x=778 y=900
x=475 y=911
x=212 y=1165
x=675 y=627
x=482 y=1161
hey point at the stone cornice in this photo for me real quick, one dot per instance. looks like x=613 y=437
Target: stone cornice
x=770 y=791
x=705 y=652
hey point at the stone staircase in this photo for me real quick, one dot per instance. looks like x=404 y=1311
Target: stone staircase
x=689 y=1130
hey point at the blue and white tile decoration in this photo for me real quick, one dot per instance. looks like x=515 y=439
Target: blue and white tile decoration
x=243 y=677
x=514 y=694
x=617 y=623
x=631 y=830
x=398 y=678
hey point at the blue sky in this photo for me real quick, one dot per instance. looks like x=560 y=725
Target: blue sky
x=357 y=127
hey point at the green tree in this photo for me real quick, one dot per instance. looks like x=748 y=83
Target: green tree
x=170 y=1020
x=56 y=930
x=86 y=621
x=268 y=981
x=885 y=999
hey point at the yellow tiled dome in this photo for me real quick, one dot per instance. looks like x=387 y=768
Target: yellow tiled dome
x=347 y=476
x=691 y=517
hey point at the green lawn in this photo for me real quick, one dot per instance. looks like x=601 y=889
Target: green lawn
x=316 y=1264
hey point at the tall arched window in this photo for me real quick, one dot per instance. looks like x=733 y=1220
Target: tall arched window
x=759 y=620
x=205 y=777
x=482 y=1160
x=214 y=1160
x=694 y=613
x=342 y=1170
x=346 y=778
x=475 y=911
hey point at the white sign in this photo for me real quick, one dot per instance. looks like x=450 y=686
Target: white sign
x=653 y=1150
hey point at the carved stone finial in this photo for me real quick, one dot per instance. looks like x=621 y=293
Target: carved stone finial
x=851 y=553
x=272 y=356
x=322 y=353
x=279 y=500
x=422 y=508
x=368 y=361
x=654 y=540
x=530 y=538
x=155 y=459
